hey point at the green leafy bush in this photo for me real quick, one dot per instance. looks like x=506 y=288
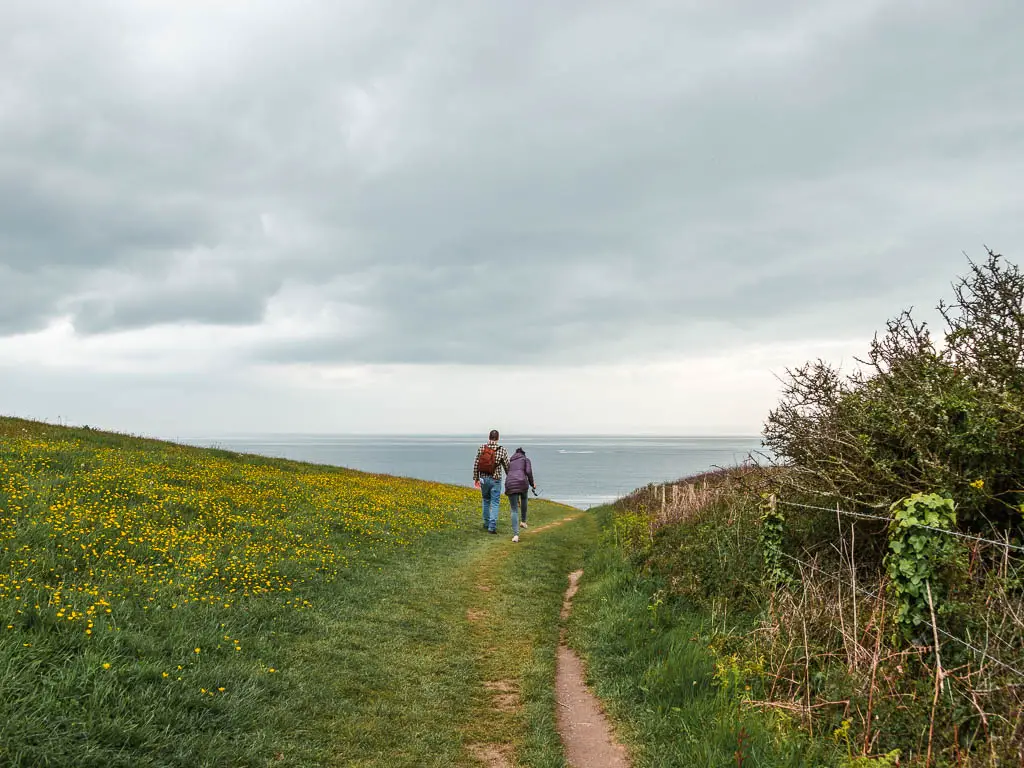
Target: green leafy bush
x=920 y=415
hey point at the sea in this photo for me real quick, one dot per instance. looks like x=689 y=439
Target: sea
x=579 y=471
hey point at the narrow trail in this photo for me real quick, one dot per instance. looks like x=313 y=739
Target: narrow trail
x=553 y=524
x=586 y=733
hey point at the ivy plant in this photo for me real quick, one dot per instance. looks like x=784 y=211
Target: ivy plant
x=772 y=531
x=920 y=556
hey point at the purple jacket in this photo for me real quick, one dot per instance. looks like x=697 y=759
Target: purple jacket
x=520 y=473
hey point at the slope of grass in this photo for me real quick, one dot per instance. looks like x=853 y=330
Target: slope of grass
x=171 y=606
x=650 y=662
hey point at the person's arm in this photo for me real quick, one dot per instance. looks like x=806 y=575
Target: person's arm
x=529 y=474
x=505 y=462
x=476 y=467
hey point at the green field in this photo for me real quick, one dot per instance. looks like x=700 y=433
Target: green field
x=171 y=606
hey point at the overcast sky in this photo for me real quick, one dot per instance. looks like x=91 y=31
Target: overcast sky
x=397 y=216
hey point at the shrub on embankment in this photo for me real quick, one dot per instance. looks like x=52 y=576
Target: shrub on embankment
x=870 y=583
x=920 y=415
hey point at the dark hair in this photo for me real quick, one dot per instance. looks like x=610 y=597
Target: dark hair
x=493 y=435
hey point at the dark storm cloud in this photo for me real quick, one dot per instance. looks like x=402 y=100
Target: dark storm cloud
x=608 y=180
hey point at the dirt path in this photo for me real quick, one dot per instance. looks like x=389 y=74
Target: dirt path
x=501 y=686
x=586 y=732
x=562 y=521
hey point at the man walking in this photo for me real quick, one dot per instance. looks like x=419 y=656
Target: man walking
x=490 y=464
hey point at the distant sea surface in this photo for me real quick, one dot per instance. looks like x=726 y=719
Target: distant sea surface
x=579 y=471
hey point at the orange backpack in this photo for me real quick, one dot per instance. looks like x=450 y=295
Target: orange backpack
x=488 y=461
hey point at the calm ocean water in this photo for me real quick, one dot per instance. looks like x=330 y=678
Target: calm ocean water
x=580 y=471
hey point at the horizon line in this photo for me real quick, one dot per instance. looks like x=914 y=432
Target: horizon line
x=478 y=435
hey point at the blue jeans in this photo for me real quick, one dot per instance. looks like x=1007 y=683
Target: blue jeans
x=515 y=500
x=490 y=490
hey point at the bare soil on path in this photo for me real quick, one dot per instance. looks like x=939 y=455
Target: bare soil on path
x=553 y=524
x=585 y=730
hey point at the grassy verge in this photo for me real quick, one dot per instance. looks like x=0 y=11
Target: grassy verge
x=649 y=661
x=812 y=614
x=170 y=606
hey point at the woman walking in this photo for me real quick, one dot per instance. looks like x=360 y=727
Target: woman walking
x=519 y=480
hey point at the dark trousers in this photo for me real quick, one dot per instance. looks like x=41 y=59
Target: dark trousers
x=518 y=501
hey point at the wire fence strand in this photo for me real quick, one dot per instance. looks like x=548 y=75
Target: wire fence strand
x=882 y=518
x=874 y=595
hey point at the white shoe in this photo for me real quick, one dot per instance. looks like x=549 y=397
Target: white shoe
x=523 y=525
x=515 y=539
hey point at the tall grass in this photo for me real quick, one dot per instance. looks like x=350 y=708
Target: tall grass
x=650 y=657
x=820 y=649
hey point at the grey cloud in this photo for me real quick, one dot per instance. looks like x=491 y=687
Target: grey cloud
x=610 y=182
x=191 y=305
x=27 y=300
x=48 y=225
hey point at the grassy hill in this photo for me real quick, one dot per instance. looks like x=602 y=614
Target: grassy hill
x=166 y=605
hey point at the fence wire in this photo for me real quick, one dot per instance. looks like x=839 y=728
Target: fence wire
x=874 y=595
x=885 y=519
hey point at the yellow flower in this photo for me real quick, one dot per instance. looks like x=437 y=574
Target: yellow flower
x=197 y=649
x=106 y=665
x=978 y=484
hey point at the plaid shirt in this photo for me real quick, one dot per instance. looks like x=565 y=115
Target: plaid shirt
x=500 y=461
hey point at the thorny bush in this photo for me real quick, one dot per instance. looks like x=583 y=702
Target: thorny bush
x=920 y=416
